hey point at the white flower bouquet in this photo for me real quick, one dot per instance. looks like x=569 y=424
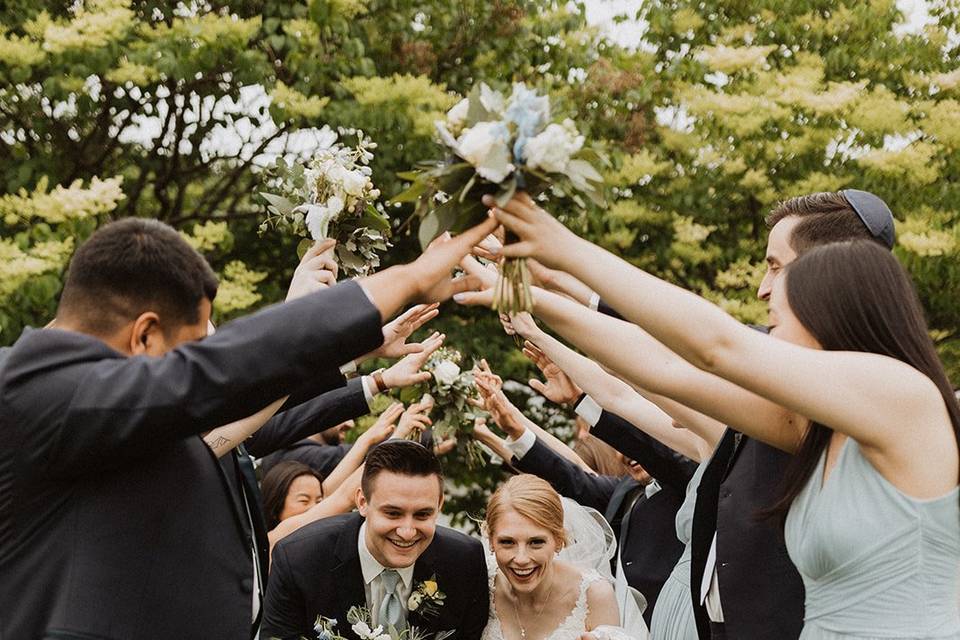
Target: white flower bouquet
x=359 y=619
x=496 y=145
x=451 y=388
x=330 y=195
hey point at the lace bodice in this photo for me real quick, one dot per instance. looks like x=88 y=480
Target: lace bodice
x=572 y=626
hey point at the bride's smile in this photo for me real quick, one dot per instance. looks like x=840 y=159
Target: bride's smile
x=524 y=551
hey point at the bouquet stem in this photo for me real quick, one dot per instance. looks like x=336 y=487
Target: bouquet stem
x=512 y=293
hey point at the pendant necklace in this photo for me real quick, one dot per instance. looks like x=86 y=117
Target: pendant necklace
x=536 y=614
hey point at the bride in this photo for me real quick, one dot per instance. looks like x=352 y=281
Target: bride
x=534 y=594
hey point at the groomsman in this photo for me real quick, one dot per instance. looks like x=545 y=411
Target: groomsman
x=118 y=518
x=742 y=581
x=391 y=558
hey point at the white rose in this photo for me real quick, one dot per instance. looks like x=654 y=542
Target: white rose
x=458 y=114
x=552 y=148
x=484 y=145
x=446 y=372
x=414 y=602
x=354 y=182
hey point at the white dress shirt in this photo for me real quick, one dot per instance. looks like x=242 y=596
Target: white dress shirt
x=372 y=582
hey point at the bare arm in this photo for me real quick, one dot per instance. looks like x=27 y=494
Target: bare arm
x=810 y=382
x=610 y=392
x=514 y=423
x=377 y=433
x=223 y=439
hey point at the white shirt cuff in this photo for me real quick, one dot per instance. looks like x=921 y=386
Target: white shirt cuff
x=350 y=367
x=594 y=301
x=367 y=393
x=521 y=445
x=589 y=410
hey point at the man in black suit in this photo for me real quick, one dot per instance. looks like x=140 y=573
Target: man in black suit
x=116 y=520
x=382 y=558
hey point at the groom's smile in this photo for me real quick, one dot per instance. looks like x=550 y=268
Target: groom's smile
x=401 y=513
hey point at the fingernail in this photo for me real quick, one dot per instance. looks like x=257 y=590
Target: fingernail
x=459 y=297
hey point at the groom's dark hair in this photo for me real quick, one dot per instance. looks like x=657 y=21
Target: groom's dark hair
x=403 y=457
x=131 y=266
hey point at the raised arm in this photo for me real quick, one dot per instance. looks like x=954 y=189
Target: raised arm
x=609 y=392
x=818 y=384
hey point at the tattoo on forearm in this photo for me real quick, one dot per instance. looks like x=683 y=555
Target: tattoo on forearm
x=221 y=441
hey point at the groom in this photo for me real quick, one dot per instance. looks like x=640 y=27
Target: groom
x=390 y=558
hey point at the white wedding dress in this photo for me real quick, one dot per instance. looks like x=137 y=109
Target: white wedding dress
x=591 y=547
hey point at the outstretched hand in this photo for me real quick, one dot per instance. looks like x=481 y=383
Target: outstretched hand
x=559 y=388
x=406 y=372
x=316 y=271
x=539 y=234
x=414 y=420
x=396 y=332
x=383 y=428
x=431 y=270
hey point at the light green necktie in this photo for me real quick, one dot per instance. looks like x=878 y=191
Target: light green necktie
x=391 y=609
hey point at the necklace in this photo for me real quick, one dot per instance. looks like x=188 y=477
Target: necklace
x=536 y=614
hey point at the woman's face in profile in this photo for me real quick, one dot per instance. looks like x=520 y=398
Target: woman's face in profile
x=783 y=324
x=304 y=492
x=524 y=550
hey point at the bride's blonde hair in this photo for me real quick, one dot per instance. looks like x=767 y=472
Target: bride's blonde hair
x=531 y=497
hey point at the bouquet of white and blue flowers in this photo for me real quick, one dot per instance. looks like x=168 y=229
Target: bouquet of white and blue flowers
x=330 y=195
x=497 y=145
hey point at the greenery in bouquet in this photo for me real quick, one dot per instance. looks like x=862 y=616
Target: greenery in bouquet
x=361 y=624
x=451 y=388
x=330 y=195
x=492 y=144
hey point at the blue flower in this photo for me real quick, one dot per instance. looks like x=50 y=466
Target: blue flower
x=530 y=112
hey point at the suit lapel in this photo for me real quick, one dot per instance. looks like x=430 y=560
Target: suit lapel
x=423 y=570
x=350 y=576
x=232 y=489
x=619 y=495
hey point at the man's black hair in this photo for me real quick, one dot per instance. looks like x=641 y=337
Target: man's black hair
x=132 y=266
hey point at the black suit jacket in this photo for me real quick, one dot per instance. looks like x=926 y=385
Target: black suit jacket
x=761 y=591
x=651 y=548
x=316 y=571
x=116 y=520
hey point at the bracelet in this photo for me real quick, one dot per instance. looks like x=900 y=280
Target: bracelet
x=378 y=381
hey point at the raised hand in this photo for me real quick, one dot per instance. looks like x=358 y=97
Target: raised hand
x=431 y=270
x=316 y=271
x=383 y=428
x=406 y=372
x=559 y=388
x=503 y=412
x=443 y=447
x=413 y=421
x=524 y=324
x=539 y=234
x=396 y=332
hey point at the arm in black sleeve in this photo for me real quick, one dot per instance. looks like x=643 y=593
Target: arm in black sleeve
x=568 y=478
x=326 y=410
x=665 y=465
x=284 y=611
x=77 y=403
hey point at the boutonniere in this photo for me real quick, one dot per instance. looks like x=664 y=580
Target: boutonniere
x=426 y=598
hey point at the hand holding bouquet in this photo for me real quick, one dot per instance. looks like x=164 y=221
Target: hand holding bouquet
x=495 y=145
x=330 y=196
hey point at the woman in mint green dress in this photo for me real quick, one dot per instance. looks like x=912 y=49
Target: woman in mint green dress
x=848 y=380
